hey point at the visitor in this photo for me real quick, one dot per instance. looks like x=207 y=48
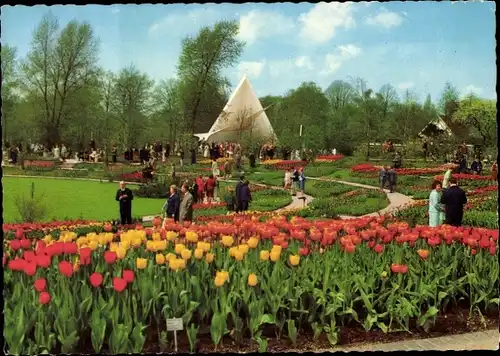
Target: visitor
x=382 y=178
x=206 y=151
x=230 y=200
x=114 y=151
x=436 y=209
x=243 y=196
x=454 y=200
x=238 y=194
x=210 y=188
x=295 y=181
x=171 y=206
x=237 y=160
x=397 y=161
x=228 y=169
x=288 y=179
x=181 y=157
x=57 y=152
x=334 y=151
x=251 y=160
x=215 y=168
x=476 y=166
x=186 y=205
x=200 y=183
x=124 y=196
x=302 y=180
x=193 y=155
x=391 y=179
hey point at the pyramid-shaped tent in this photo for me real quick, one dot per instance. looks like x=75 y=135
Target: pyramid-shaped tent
x=243 y=112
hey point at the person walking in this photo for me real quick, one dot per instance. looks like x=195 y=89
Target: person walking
x=200 y=182
x=454 y=199
x=238 y=193
x=186 y=205
x=302 y=180
x=382 y=178
x=210 y=188
x=245 y=197
x=391 y=179
x=446 y=179
x=172 y=205
x=124 y=196
x=435 y=207
x=295 y=181
x=288 y=180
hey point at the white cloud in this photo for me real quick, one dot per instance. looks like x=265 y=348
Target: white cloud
x=251 y=69
x=304 y=62
x=333 y=61
x=406 y=85
x=320 y=24
x=115 y=10
x=179 y=21
x=472 y=89
x=259 y=24
x=385 y=19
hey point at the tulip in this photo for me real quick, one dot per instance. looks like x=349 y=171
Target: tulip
x=110 y=257
x=128 y=275
x=119 y=284
x=25 y=244
x=44 y=298
x=227 y=240
x=294 y=260
x=121 y=253
x=424 y=254
x=209 y=257
x=219 y=282
x=40 y=284
x=198 y=254
x=179 y=248
x=15 y=245
x=160 y=259
x=141 y=263
x=253 y=242
x=379 y=248
x=252 y=280
x=238 y=255
x=96 y=279
x=186 y=254
x=66 y=268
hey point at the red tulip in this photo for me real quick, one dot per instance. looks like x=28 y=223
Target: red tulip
x=423 y=254
x=44 y=298
x=403 y=269
x=119 y=284
x=66 y=268
x=85 y=256
x=30 y=268
x=15 y=245
x=110 y=257
x=395 y=268
x=96 y=279
x=128 y=275
x=30 y=255
x=350 y=248
x=17 y=264
x=379 y=248
x=304 y=251
x=25 y=244
x=493 y=250
x=40 y=284
x=19 y=234
x=108 y=227
x=70 y=248
x=43 y=260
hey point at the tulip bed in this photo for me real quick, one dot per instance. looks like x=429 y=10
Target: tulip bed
x=250 y=279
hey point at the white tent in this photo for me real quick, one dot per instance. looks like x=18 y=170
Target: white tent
x=242 y=113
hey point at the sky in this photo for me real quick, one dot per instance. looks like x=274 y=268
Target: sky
x=411 y=45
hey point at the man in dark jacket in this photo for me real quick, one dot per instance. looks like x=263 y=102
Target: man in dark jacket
x=124 y=196
x=454 y=200
x=238 y=193
x=391 y=179
x=245 y=197
x=172 y=205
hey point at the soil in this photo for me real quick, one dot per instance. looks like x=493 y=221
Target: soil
x=452 y=323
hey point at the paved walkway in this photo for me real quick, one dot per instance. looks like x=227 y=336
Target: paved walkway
x=482 y=340
x=396 y=200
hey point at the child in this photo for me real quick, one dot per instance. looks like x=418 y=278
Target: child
x=288 y=179
x=230 y=199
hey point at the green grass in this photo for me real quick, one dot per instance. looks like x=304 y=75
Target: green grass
x=75 y=199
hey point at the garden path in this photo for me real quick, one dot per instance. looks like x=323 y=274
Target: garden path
x=396 y=200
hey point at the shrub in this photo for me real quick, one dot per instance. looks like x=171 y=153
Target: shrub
x=31 y=208
x=160 y=189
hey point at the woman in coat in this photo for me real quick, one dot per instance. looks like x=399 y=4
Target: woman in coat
x=172 y=204
x=435 y=206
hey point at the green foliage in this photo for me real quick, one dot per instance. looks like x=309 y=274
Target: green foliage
x=479 y=114
x=30 y=207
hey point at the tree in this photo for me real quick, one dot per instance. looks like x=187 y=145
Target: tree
x=131 y=94
x=201 y=63
x=479 y=114
x=9 y=82
x=388 y=97
x=448 y=103
x=58 y=66
x=167 y=116
x=340 y=94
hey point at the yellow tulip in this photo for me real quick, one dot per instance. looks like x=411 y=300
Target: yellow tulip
x=186 y=254
x=47 y=239
x=294 y=260
x=219 y=282
x=222 y=274
x=171 y=235
x=243 y=248
x=264 y=255
x=232 y=250
x=136 y=242
x=156 y=236
x=125 y=244
x=181 y=264
x=121 y=253
x=161 y=245
x=252 y=280
x=173 y=264
x=179 y=248
x=227 y=240
x=253 y=242
x=150 y=246
x=76 y=264
x=141 y=263
x=238 y=255
x=169 y=256
x=275 y=256
x=209 y=257
x=191 y=236
x=82 y=241
x=113 y=246
x=276 y=248
x=198 y=254
x=93 y=245
x=160 y=259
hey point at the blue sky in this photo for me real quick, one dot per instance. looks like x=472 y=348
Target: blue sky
x=416 y=45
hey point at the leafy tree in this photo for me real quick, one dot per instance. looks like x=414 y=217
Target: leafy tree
x=200 y=67
x=479 y=114
x=448 y=103
x=167 y=114
x=58 y=66
x=340 y=94
x=388 y=97
x=9 y=83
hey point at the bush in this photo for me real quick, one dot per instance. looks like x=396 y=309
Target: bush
x=32 y=207
x=160 y=189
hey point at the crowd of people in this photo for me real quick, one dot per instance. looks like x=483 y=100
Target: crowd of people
x=446 y=202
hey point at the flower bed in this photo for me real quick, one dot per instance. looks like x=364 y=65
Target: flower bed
x=466 y=177
x=110 y=291
x=132 y=177
x=370 y=168
x=282 y=164
x=46 y=164
x=329 y=158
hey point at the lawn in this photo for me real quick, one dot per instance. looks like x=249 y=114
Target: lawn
x=76 y=199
